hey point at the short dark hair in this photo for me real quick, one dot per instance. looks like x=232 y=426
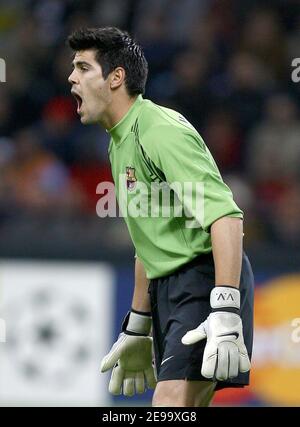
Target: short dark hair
x=114 y=48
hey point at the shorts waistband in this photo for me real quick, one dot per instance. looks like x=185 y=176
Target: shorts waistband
x=204 y=262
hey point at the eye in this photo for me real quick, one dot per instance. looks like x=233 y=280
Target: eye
x=83 y=68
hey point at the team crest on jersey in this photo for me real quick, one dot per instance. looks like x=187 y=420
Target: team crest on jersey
x=130 y=178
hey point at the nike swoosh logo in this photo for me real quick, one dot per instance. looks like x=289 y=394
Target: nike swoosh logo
x=235 y=334
x=165 y=360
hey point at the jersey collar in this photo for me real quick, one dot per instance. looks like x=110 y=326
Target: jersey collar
x=122 y=128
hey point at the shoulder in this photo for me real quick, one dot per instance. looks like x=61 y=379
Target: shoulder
x=160 y=126
x=153 y=115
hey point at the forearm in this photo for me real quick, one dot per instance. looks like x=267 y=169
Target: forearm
x=140 y=300
x=227 y=247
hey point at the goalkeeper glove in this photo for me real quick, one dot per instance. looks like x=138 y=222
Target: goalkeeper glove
x=225 y=354
x=131 y=357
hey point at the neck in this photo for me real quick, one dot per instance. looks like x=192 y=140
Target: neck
x=116 y=110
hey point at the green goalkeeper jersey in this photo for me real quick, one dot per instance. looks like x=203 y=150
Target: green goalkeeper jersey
x=168 y=186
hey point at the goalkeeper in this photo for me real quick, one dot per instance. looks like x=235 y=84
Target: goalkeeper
x=193 y=282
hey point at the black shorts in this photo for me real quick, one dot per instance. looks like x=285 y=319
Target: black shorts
x=180 y=302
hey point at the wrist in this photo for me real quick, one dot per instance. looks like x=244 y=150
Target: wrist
x=141 y=312
x=225 y=298
x=137 y=323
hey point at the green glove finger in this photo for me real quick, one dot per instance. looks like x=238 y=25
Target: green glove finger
x=139 y=382
x=114 y=355
x=128 y=384
x=150 y=377
x=116 y=380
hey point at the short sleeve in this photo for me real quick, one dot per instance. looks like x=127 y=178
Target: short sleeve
x=183 y=157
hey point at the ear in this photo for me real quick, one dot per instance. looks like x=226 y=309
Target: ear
x=117 y=78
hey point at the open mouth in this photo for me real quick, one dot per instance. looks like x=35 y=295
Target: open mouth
x=78 y=100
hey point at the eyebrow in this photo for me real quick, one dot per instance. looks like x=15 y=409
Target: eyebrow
x=78 y=63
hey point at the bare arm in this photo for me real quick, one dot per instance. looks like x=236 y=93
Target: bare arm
x=227 y=244
x=225 y=352
x=141 y=300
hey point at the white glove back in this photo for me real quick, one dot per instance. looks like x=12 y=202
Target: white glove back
x=131 y=358
x=225 y=353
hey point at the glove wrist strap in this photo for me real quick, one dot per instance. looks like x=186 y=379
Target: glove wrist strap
x=227 y=310
x=225 y=298
x=137 y=323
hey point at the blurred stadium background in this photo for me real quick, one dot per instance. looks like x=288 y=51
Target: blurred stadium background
x=66 y=275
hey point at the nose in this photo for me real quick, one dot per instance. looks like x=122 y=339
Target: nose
x=72 y=78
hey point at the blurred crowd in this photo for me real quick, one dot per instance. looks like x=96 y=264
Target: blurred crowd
x=225 y=65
